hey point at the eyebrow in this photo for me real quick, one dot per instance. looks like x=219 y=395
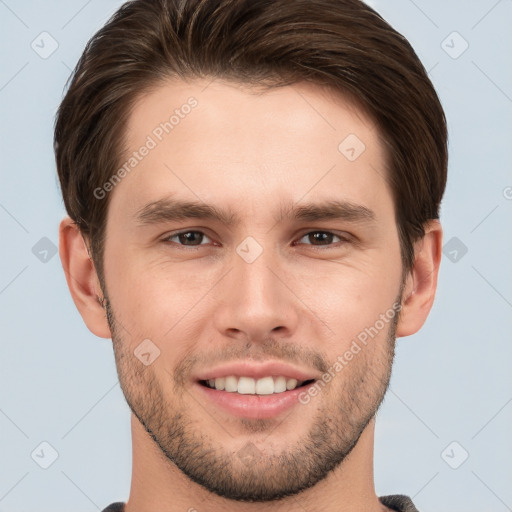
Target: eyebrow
x=169 y=209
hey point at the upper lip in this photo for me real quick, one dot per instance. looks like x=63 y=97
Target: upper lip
x=256 y=370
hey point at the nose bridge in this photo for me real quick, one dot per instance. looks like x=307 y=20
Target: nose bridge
x=254 y=262
x=255 y=301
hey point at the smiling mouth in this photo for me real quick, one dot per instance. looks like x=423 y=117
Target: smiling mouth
x=242 y=385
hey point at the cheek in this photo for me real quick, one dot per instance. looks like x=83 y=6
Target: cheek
x=156 y=299
x=347 y=299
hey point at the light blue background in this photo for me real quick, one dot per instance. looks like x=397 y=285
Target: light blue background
x=451 y=381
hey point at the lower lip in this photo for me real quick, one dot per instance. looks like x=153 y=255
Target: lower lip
x=254 y=406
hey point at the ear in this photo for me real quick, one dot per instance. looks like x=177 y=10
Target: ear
x=82 y=279
x=421 y=283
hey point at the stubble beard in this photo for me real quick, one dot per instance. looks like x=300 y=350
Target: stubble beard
x=261 y=474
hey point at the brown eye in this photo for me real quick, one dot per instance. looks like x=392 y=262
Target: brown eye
x=187 y=238
x=321 y=238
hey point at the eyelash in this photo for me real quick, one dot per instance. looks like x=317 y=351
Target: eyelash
x=167 y=239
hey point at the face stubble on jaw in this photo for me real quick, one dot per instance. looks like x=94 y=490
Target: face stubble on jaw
x=355 y=396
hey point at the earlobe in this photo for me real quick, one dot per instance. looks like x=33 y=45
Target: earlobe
x=82 y=279
x=421 y=284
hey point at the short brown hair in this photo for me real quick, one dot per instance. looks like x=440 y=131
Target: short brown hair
x=341 y=44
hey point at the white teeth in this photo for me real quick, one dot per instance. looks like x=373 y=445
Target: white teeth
x=231 y=384
x=279 y=385
x=291 y=384
x=265 y=386
x=249 y=386
x=246 y=386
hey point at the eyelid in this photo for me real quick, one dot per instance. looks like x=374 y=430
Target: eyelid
x=343 y=236
x=172 y=234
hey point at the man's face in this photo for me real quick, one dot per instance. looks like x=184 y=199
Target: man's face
x=275 y=295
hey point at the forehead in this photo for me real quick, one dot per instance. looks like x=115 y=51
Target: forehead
x=220 y=142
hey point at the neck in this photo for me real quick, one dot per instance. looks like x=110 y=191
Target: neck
x=157 y=484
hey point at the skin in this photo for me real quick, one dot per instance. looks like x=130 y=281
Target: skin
x=300 y=301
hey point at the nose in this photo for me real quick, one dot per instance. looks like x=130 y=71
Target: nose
x=256 y=300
